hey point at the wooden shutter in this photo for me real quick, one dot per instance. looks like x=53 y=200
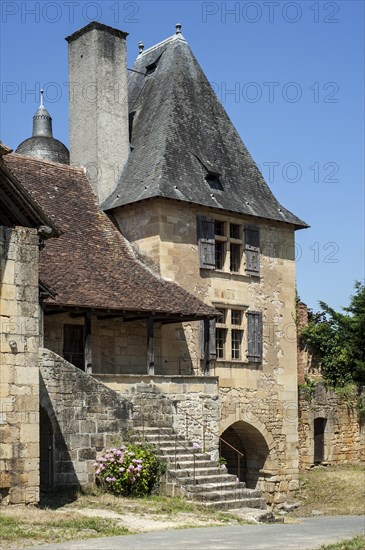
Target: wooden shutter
x=252 y=249
x=205 y=228
x=212 y=344
x=254 y=336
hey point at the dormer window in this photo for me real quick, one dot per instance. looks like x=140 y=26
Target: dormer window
x=152 y=66
x=214 y=180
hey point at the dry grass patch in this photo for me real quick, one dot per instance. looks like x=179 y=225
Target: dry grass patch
x=332 y=490
x=97 y=514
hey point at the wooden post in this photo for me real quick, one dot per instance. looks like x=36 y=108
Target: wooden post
x=88 y=356
x=150 y=348
x=206 y=346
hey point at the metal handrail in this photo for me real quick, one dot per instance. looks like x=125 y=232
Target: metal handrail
x=238 y=453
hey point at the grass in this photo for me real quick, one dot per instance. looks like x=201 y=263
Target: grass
x=332 y=490
x=25 y=528
x=356 y=543
x=96 y=514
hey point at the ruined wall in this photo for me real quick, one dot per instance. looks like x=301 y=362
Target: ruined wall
x=19 y=373
x=118 y=347
x=166 y=231
x=85 y=416
x=344 y=434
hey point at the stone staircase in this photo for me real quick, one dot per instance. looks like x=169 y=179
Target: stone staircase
x=193 y=475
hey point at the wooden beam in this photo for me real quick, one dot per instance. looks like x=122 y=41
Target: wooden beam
x=206 y=346
x=150 y=347
x=87 y=344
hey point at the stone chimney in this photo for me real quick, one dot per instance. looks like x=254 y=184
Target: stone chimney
x=98 y=104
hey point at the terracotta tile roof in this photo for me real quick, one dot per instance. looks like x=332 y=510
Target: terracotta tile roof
x=91 y=265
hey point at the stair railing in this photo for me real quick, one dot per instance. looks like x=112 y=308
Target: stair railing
x=221 y=440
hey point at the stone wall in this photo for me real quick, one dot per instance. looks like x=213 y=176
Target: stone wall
x=344 y=434
x=189 y=404
x=263 y=395
x=117 y=347
x=19 y=373
x=85 y=415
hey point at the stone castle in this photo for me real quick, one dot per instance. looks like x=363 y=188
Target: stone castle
x=147 y=276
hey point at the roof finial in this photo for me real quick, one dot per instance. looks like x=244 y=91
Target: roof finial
x=42 y=92
x=178 y=28
x=140 y=46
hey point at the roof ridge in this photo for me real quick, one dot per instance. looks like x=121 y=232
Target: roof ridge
x=61 y=165
x=171 y=38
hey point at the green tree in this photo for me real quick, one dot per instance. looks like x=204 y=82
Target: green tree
x=339 y=338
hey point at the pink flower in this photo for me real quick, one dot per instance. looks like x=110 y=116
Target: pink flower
x=121 y=469
x=97 y=472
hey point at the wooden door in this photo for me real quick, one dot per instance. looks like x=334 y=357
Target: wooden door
x=319 y=428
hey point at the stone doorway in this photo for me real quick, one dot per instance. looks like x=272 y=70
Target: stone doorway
x=251 y=443
x=46 y=451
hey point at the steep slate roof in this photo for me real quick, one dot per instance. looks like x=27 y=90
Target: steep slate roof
x=180 y=132
x=91 y=265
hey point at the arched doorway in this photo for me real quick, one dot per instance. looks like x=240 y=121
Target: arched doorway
x=319 y=429
x=46 y=451
x=251 y=443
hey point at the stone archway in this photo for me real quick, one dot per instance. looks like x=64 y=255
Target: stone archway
x=46 y=451
x=252 y=444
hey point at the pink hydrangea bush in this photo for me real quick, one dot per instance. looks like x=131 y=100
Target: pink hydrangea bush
x=128 y=470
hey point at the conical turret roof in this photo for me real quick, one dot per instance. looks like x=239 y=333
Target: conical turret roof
x=184 y=146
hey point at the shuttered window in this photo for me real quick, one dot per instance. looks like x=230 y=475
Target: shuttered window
x=254 y=336
x=252 y=249
x=206 y=242
x=211 y=344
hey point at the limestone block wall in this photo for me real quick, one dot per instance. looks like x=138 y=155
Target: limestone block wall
x=85 y=415
x=117 y=347
x=189 y=404
x=19 y=373
x=264 y=396
x=344 y=434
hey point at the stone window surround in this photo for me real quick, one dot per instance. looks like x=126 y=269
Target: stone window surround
x=228 y=324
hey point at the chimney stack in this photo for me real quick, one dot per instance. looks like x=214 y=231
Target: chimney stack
x=98 y=104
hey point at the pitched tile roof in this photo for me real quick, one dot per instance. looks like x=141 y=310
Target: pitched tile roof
x=91 y=265
x=17 y=206
x=180 y=133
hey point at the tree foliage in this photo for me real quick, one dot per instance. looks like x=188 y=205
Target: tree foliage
x=339 y=338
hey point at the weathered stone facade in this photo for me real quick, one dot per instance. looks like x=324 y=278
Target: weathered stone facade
x=85 y=417
x=19 y=370
x=189 y=404
x=261 y=398
x=88 y=414
x=344 y=430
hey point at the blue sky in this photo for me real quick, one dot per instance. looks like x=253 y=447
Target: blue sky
x=289 y=74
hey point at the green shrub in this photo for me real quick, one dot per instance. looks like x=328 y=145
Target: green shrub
x=129 y=470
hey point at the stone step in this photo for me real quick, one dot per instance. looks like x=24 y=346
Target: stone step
x=201 y=478
x=228 y=485
x=223 y=495
x=239 y=503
